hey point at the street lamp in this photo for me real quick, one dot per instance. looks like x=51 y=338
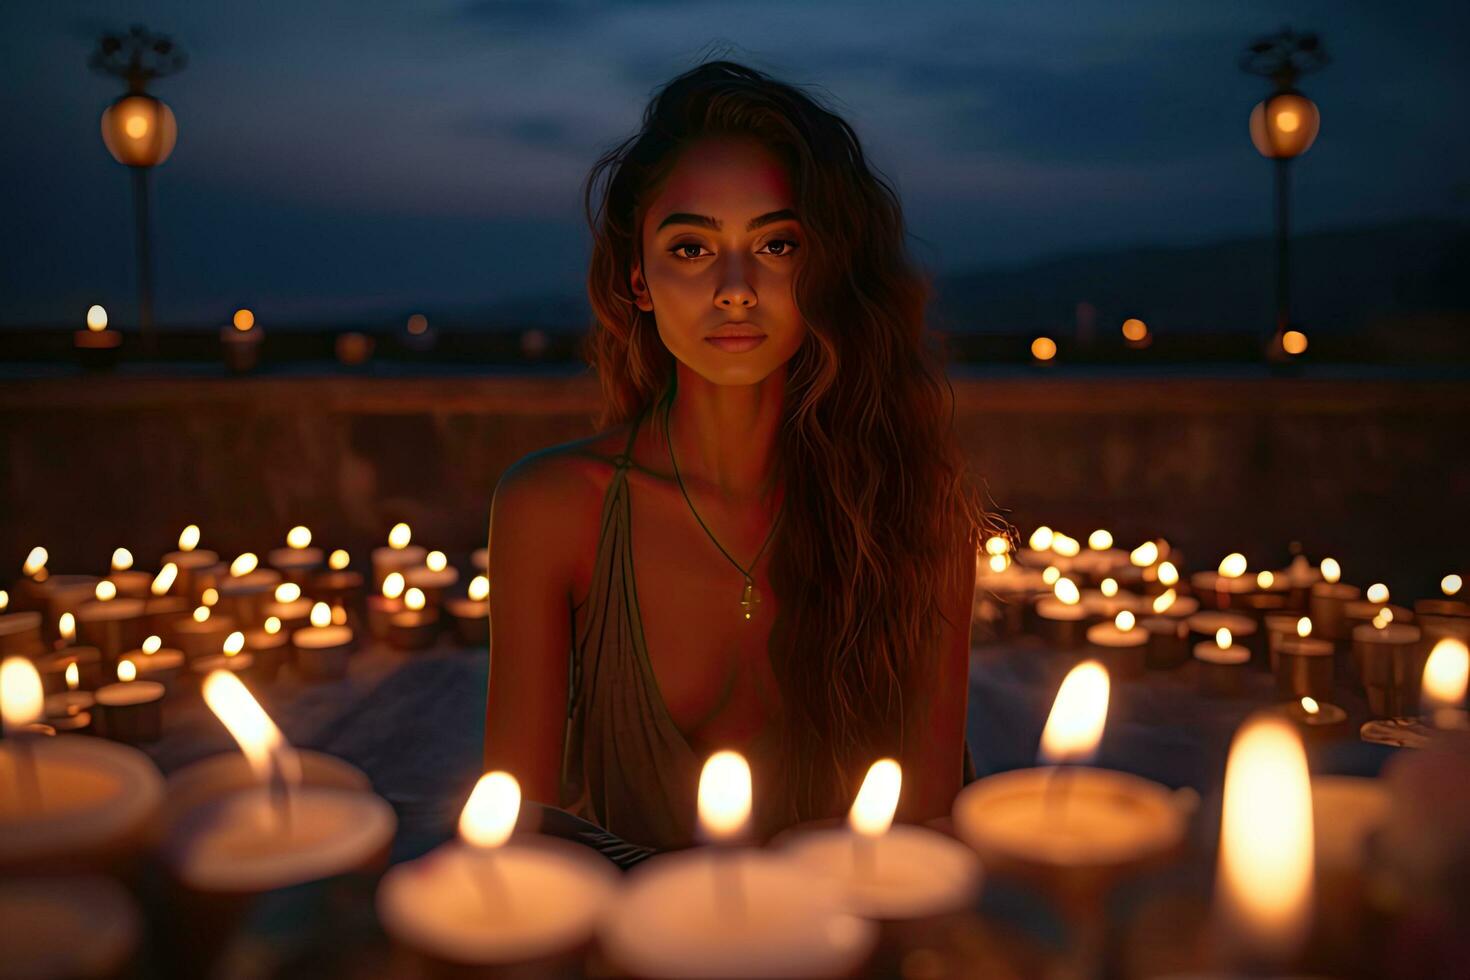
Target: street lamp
x=139 y=131
x=1282 y=128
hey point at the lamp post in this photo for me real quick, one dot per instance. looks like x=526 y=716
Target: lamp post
x=1282 y=128
x=139 y=131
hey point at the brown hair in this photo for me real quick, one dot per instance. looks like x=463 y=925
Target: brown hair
x=880 y=522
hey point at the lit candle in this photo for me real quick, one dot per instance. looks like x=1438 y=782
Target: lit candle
x=322 y=648
x=231 y=658
x=130 y=710
x=471 y=614
x=240 y=341
x=1448 y=610
x=162 y=608
x=202 y=633
x=289 y=606
x=298 y=560
x=1264 y=890
x=728 y=910
x=432 y=577
x=69 y=802
x=1222 y=665
x=246 y=591
x=380 y=608
x=398 y=556
x=1222 y=587
x=415 y=627
x=338 y=584
x=889 y=872
x=1388 y=661
x=1328 y=601
x=191 y=561
x=154 y=662
x=1303 y=664
x=1446 y=674
x=1167 y=629
x=1317 y=722
x=97 y=345
x=488 y=899
x=130 y=582
x=1244 y=630
x=1062 y=619
x=1120 y=645
x=110 y=624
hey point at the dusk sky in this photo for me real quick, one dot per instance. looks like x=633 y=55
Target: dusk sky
x=363 y=155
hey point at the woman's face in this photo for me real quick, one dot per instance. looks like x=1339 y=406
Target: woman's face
x=721 y=247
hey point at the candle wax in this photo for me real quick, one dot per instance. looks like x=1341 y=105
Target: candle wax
x=321 y=637
x=907 y=873
x=126 y=693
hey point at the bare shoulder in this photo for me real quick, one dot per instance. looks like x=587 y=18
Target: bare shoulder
x=556 y=493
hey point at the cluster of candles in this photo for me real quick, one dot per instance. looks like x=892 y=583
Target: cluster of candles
x=1135 y=611
x=112 y=650
x=817 y=900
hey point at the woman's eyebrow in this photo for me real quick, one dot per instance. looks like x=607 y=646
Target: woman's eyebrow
x=705 y=221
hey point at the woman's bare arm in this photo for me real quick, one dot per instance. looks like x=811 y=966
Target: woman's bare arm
x=534 y=529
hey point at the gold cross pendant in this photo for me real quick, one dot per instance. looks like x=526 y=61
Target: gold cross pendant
x=751 y=596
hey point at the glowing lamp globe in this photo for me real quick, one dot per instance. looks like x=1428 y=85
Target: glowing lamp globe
x=139 y=130
x=1284 y=125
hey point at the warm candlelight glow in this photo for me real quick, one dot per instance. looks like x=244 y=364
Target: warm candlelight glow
x=201 y=614
x=1100 y=540
x=1108 y=587
x=1293 y=341
x=152 y=645
x=1264 y=580
x=1066 y=591
x=1134 y=329
x=392 y=585
x=1144 y=555
x=1383 y=618
x=243 y=320
x=1065 y=546
x=436 y=561
x=1043 y=348
x=66 y=627
x=479 y=588
x=339 y=616
x=996 y=545
x=999 y=563
x=1304 y=627
x=4 y=600
x=122 y=560
x=244 y=718
x=298 y=537
x=1168 y=574
x=189 y=538
x=1124 y=620
x=126 y=671
x=22 y=699
x=165 y=579
x=1377 y=592
x=724 y=796
x=105 y=591
x=399 y=537
x=1041 y=539
x=73 y=676
x=338 y=560
x=234 y=643
x=877 y=800
x=96 y=314
x=210 y=596
x=1164 y=600
x=288 y=592
x=1446 y=673
x=1265 y=873
x=1310 y=706
x=1450 y=585
x=414 y=599
x=272 y=625
x=1050 y=574
x=489 y=815
x=1232 y=565
x=1075 y=726
x=1331 y=570
x=35 y=561
x=321 y=615
x=244 y=564
x=1222 y=638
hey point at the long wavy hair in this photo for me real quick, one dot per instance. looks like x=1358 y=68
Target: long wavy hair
x=879 y=521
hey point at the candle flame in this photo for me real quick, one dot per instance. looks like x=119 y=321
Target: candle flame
x=338 y=560
x=1065 y=546
x=1108 y=587
x=393 y=585
x=105 y=591
x=1265 y=872
x=22 y=700
x=479 y=588
x=877 y=800
x=1450 y=585
x=66 y=627
x=1168 y=574
x=321 y=615
x=436 y=561
x=234 y=643
x=272 y=625
x=1164 y=600
x=1050 y=574
x=489 y=815
x=1264 y=580
x=1041 y=539
x=189 y=538
x=165 y=579
x=1331 y=570
x=127 y=671
x=339 y=616
x=1144 y=555
x=724 y=795
x=1066 y=591
x=73 y=676
x=1075 y=726
x=35 y=561
x=1310 y=706
x=1124 y=620
x=1100 y=540
x=288 y=592
x=400 y=536
x=996 y=545
x=152 y=645
x=298 y=537
x=1232 y=565
x=97 y=316
x=1222 y=638
x=414 y=599
x=1447 y=673
x=244 y=564
x=246 y=721
x=122 y=560
x=1383 y=618
x=1304 y=627
x=4 y=600
x=1377 y=592
x=201 y=614
x=999 y=563
x=210 y=596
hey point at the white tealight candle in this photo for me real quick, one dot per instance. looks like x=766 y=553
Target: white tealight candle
x=322 y=649
x=298 y=557
x=398 y=556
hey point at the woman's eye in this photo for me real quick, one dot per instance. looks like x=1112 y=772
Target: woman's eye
x=678 y=250
x=787 y=247
x=790 y=245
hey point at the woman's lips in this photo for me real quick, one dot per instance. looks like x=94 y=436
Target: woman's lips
x=736 y=345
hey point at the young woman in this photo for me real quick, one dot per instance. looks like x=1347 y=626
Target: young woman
x=770 y=546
